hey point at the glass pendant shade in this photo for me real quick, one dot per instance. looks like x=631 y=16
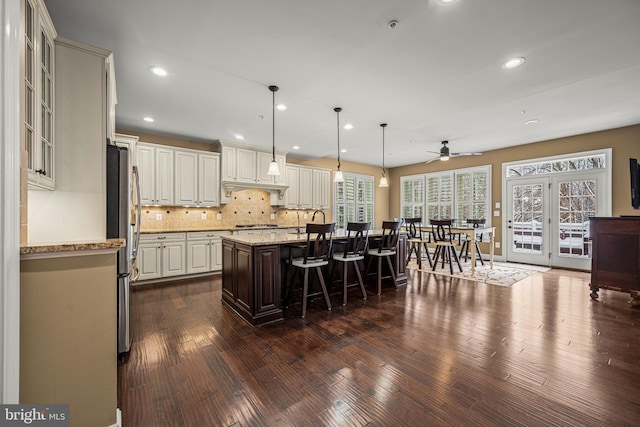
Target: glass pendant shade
x=384 y=182
x=338 y=176
x=273 y=166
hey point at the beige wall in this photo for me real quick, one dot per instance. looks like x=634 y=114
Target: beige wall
x=68 y=335
x=625 y=143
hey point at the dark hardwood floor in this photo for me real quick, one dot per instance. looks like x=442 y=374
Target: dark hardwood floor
x=441 y=351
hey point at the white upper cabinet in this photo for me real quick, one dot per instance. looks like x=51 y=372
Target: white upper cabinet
x=263 y=163
x=186 y=179
x=39 y=92
x=308 y=188
x=321 y=188
x=209 y=179
x=155 y=166
x=246 y=170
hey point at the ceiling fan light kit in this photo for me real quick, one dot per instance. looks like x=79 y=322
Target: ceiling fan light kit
x=445 y=154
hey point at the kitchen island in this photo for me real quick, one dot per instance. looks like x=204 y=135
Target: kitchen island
x=252 y=271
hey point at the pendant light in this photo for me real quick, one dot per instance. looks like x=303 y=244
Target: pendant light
x=383 y=178
x=273 y=166
x=338 y=177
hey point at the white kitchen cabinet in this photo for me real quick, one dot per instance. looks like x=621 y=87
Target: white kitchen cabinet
x=309 y=188
x=204 y=251
x=209 y=179
x=196 y=178
x=291 y=199
x=149 y=260
x=263 y=163
x=228 y=167
x=246 y=170
x=305 y=190
x=39 y=91
x=174 y=258
x=321 y=189
x=155 y=166
x=161 y=255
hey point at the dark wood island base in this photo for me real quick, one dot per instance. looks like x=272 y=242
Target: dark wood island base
x=252 y=273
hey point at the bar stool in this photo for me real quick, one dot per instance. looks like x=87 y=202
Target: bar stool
x=354 y=250
x=316 y=255
x=388 y=245
x=416 y=241
x=445 y=248
x=464 y=249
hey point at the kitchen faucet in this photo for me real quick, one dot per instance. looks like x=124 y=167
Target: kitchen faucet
x=313 y=217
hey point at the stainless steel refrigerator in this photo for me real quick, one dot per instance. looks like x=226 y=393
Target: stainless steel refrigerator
x=123 y=221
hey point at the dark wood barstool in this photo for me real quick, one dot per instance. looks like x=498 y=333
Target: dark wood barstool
x=353 y=252
x=464 y=249
x=417 y=242
x=445 y=248
x=316 y=255
x=387 y=248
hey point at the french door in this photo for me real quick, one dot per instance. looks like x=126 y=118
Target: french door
x=548 y=217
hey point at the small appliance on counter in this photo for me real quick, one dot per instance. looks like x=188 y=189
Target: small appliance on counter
x=123 y=221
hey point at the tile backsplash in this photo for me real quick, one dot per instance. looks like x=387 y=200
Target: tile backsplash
x=246 y=207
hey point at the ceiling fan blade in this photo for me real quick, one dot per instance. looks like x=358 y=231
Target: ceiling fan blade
x=433 y=160
x=465 y=154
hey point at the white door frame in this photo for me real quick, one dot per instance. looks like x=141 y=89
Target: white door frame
x=10 y=201
x=604 y=190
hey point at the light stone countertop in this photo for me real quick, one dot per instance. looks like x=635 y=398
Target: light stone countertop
x=58 y=249
x=280 y=238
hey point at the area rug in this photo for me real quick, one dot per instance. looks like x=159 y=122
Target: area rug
x=503 y=273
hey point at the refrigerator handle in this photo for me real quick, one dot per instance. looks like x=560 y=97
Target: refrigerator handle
x=139 y=212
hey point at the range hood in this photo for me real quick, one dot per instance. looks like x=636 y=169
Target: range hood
x=275 y=189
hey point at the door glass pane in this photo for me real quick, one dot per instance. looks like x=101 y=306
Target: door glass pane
x=527 y=218
x=576 y=203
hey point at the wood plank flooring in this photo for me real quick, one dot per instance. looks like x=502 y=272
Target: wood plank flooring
x=441 y=351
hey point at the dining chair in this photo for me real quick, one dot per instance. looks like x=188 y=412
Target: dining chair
x=316 y=255
x=387 y=248
x=464 y=249
x=416 y=241
x=354 y=250
x=445 y=248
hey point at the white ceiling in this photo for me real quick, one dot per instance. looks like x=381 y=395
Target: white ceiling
x=436 y=76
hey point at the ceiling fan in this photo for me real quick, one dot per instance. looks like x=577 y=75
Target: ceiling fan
x=445 y=154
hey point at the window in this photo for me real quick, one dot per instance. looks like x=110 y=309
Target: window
x=583 y=163
x=458 y=194
x=353 y=200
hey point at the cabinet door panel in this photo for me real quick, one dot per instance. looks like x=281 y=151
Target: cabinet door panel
x=246 y=165
x=186 y=178
x=146 y=169
x=216 y=255
x=228 y=172
x=164 y=176
x=208 y=180
x=263 y=162
x=149 y=262
x=305 y=191
x=198 y=256
x=291 y=199
x=173 y=262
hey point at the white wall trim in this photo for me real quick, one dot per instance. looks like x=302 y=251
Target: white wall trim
x=10 y=201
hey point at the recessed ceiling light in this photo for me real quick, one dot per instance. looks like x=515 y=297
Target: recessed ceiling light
x=158 y=71
x=296 y=147
x=531 y=122
x=149 y=119
x=445 y=2
x=281 y=107
x=344 y=150
x=348 y=126
x=239 y=137
x=513 y=63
